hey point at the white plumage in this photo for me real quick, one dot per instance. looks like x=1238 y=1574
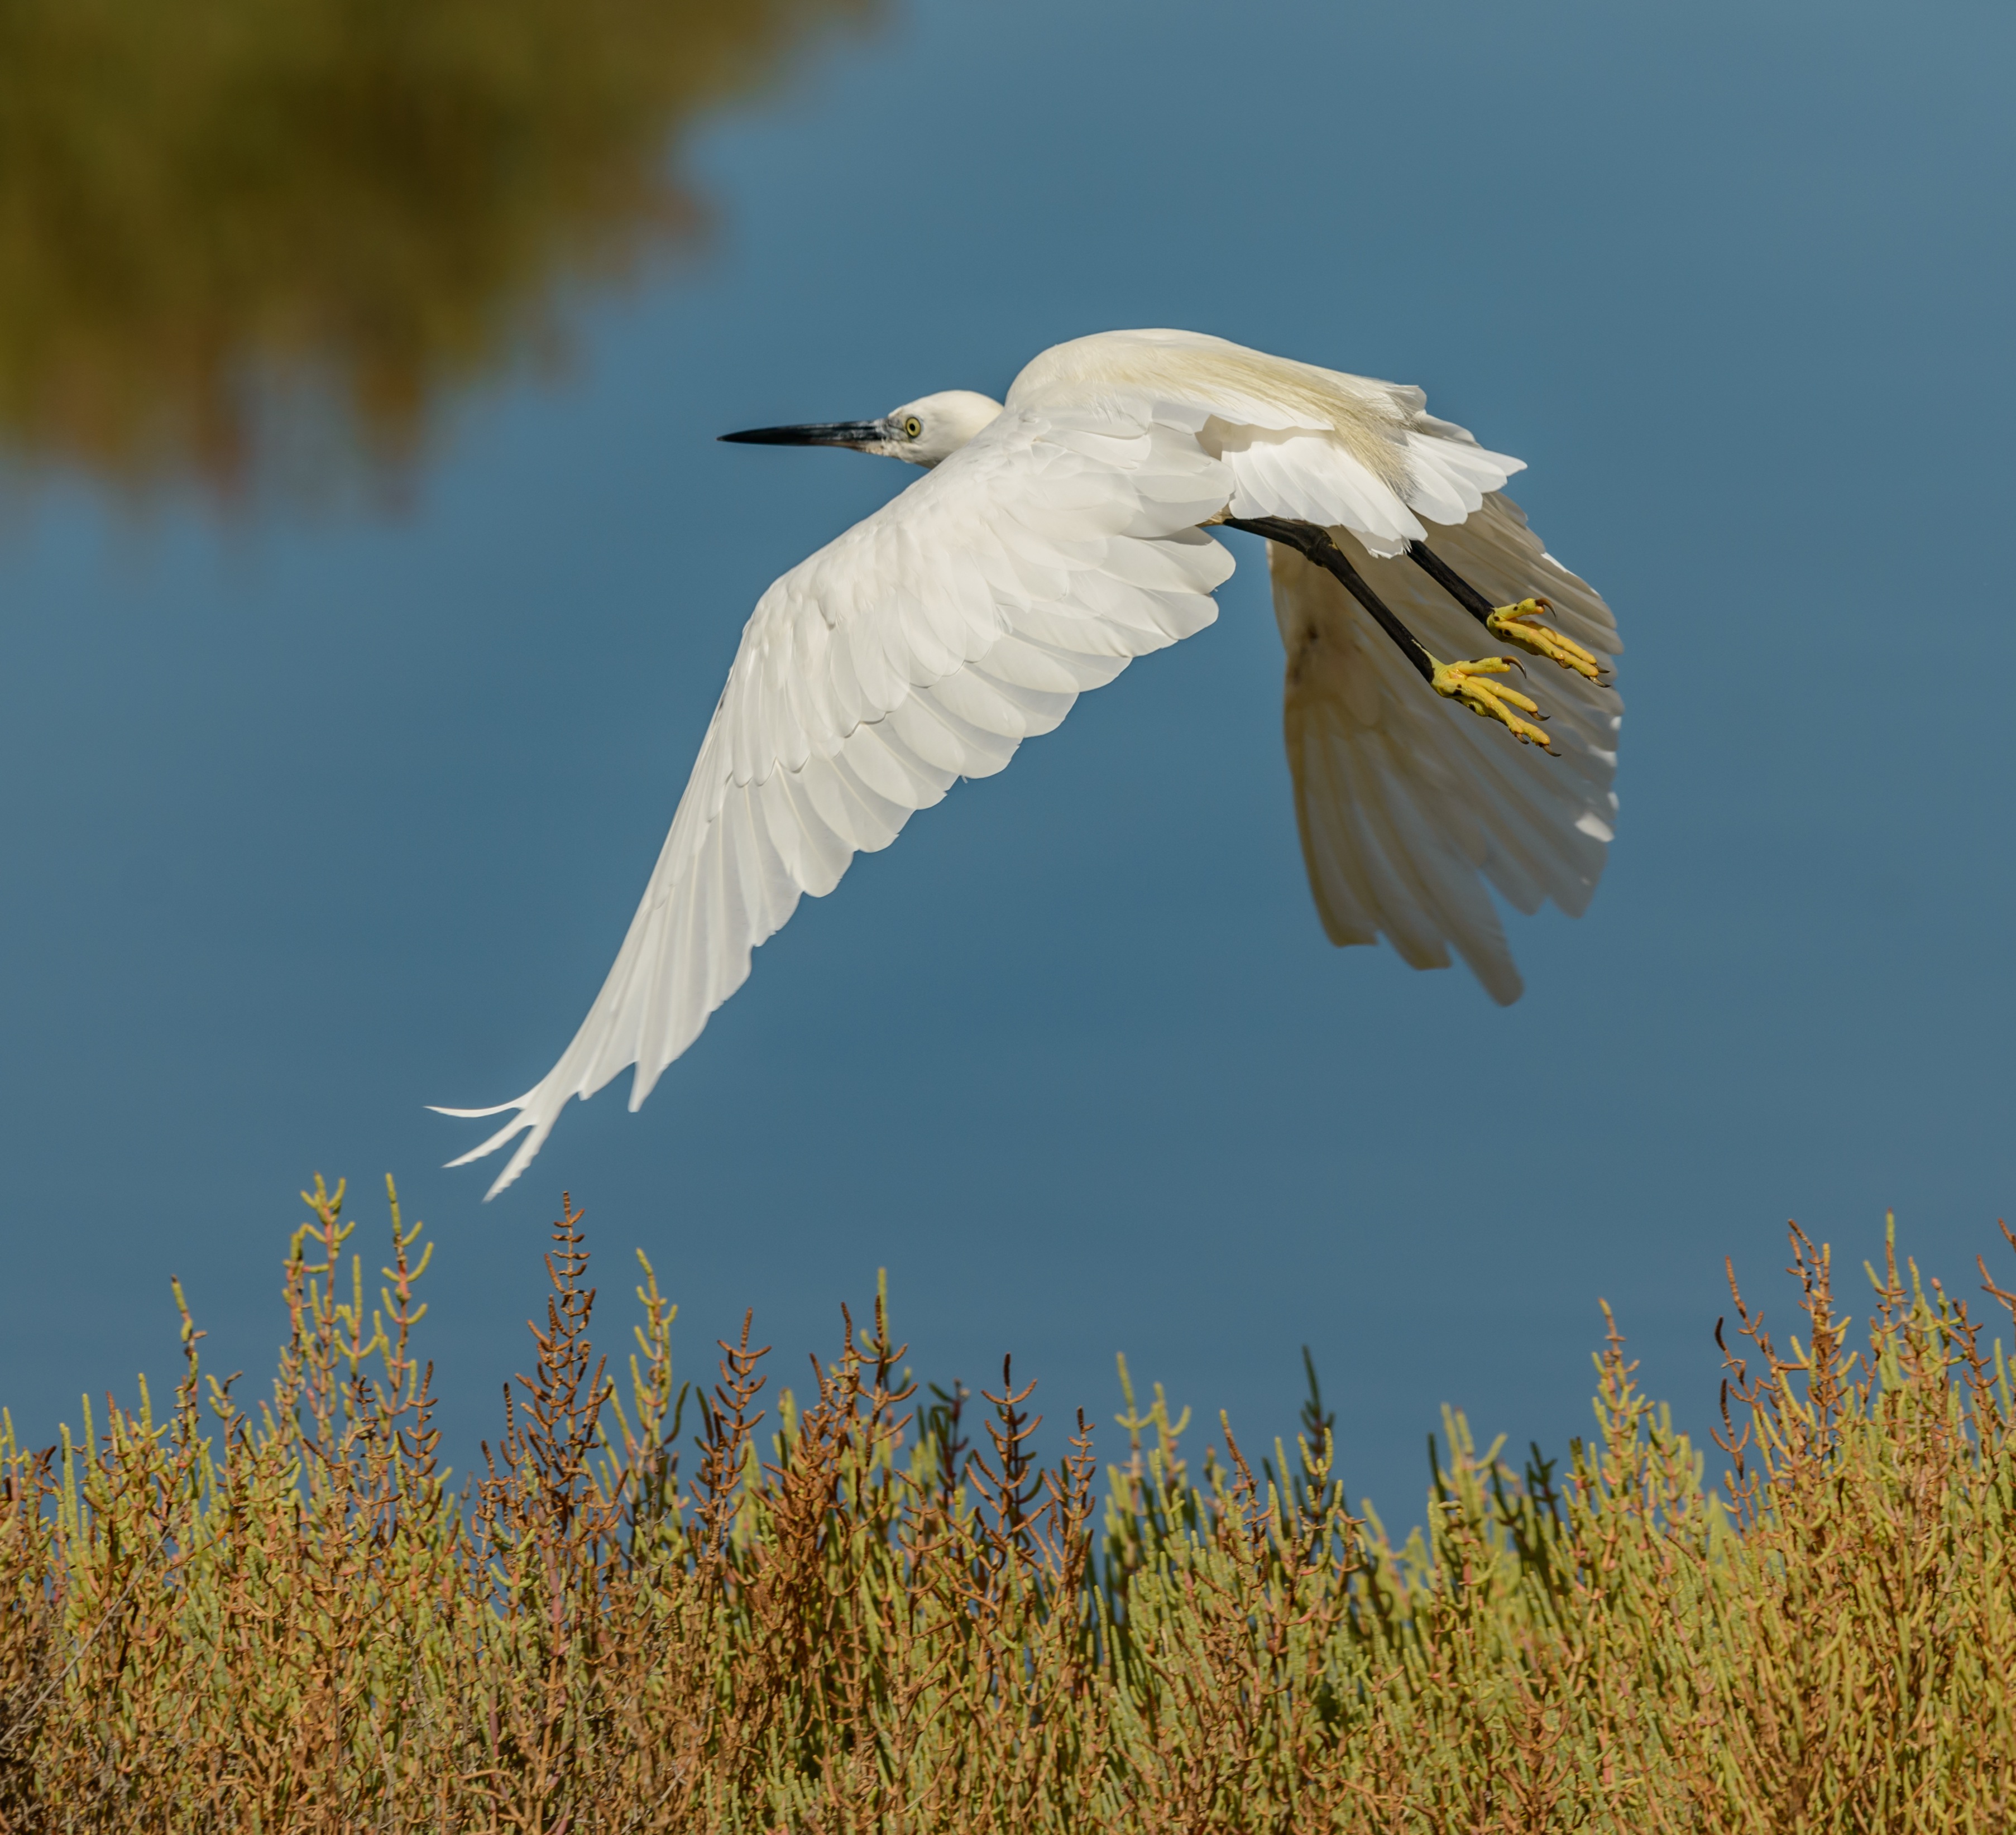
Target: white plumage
x=1051 y=542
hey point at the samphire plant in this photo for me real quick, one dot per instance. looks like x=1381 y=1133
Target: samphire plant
x=867 y=1608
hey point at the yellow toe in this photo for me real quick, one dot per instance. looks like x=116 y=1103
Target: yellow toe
x=1520 y=625
x=1469 y=685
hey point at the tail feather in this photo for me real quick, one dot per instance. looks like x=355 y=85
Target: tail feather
x=536 y=1112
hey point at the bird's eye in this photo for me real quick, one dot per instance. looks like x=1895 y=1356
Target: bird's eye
x=912 y=427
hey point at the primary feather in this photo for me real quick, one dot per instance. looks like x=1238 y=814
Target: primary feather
x=1058 y=544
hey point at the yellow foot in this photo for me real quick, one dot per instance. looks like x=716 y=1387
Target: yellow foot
x=1465 y=682
x=1520 y=625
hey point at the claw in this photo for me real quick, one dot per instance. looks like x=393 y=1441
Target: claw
x=1520 y=624
x=1464 y=682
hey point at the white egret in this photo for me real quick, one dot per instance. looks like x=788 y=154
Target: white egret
x=1054 y=538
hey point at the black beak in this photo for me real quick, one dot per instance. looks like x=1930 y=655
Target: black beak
x=825 y=432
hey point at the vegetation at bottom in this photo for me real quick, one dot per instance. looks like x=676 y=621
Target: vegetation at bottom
x=869 y=1607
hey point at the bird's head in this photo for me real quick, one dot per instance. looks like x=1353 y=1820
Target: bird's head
x=922 y=432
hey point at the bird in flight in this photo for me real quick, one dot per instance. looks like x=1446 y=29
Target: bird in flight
x=1054 y=538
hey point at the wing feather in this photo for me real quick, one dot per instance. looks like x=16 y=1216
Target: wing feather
x=923 y=644
x=1408 y=806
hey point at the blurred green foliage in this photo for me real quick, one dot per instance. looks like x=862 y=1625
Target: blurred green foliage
x=369 y=200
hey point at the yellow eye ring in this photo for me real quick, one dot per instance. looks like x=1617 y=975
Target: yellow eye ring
x=912 y=427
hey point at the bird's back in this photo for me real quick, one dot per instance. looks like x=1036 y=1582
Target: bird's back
x=1320 y=445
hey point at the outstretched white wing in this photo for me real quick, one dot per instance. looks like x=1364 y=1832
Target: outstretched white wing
x=1407 y=804
x=923 y=646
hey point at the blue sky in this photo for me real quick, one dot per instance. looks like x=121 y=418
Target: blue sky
x=317 y=814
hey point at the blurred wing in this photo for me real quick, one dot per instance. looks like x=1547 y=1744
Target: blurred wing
x=1407 y=805
x=923 y=646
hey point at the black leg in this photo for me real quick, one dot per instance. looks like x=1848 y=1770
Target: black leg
x=1452 y=582
x=1314 y=544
